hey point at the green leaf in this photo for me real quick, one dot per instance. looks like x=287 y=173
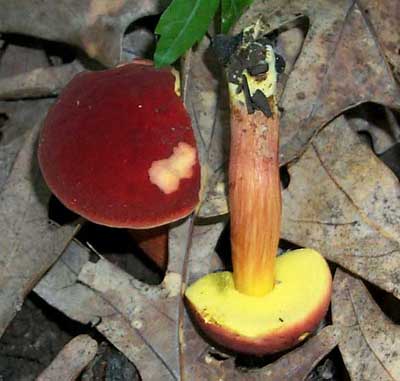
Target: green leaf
x=182 y=24
x=231 y=11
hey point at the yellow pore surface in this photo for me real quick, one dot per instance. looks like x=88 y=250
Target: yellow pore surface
x=302 y=282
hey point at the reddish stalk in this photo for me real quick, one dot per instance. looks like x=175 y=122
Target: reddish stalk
x=255 y=198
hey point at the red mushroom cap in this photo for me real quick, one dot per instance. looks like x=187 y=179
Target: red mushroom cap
x=118 y=148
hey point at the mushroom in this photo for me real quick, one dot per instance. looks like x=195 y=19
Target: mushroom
x=118 y=149
x=270 y=303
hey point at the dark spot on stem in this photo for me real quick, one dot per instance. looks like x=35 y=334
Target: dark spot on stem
x=279 y=64
x=260 y=102
x=247 y=95
x=258 y=69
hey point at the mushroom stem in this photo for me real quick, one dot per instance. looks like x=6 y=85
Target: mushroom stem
x=255 y=199
x=154 y=243
x=254 y=184
x=250 y=311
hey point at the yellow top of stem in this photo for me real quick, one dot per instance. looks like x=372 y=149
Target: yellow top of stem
x=267 y=82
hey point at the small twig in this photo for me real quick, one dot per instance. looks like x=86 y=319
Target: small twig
x=72 y=359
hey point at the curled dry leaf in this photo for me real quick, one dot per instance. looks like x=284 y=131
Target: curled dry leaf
x=72 y=359
x=342 y=63
x=138 y=43
x=153 y=339
x=61 y=289
x=138 y=319
x=384 y=131
x=206 y=99
x=297 y=364
x=16 y=59
x=370 y=343
x=19 y=117
x=155 y=314
x=29 y=245
x=39 y=82
x=8 y=153
x=384 y=16
x=45 y=81
x=98 y=30
x=288 y=44
x=16 y=118
x=343 y=201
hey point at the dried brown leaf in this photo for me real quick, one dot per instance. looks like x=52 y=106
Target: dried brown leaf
x=25 y=72
x=206 y=99
x=29 y=245
x=16 y=118
x=343 y=201
x=155 y=314
x=384 y=131
x=20 y=116
x=384 y=16
x=60 y=288
x=96 y=26
x=140 y=320
x=342 y=63
x=8 y=153
x=297 y=364
x=370 y=343
x=39 y=82
x=18 y=59
x=139 y=43
x=152 y=334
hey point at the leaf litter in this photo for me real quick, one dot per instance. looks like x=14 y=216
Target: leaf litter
x=343 y=201
x=206 y=99
x=370 y=343
x=19 y=116
x=23 y=210
x=311 y=98
x=98 y=30
x=130 y=313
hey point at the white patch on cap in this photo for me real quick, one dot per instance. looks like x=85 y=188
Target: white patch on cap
x=167 y=173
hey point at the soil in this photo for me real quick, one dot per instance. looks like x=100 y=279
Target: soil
x=33 y=339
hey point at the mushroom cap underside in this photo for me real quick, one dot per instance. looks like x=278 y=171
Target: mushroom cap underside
x=271 y=323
